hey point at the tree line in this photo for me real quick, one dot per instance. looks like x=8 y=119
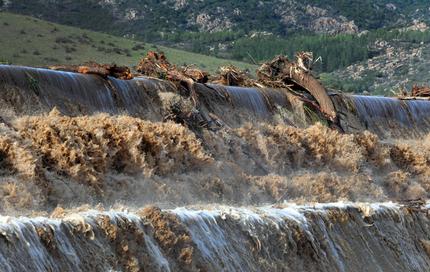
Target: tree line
x=336 y=51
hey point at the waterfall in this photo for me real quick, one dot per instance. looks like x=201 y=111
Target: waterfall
x=249 y=98
x=386 y=116
x=324 y=237
x=70 y=92
x=29 y=91
x=73 y=93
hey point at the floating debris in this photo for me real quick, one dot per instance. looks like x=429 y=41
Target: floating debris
x=420 y=91
x=103 y=70
x=233 y=76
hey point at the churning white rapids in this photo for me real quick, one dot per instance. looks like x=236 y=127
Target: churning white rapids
x=287 y=237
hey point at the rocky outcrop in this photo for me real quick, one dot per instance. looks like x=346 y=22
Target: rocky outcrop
x=212 y=23
x=396 y=67
x=315 y=19
x=331 y=17
x=330 y=25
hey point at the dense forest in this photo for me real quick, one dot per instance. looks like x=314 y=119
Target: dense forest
x=335 y=51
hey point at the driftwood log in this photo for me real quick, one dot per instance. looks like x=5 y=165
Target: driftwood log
x=291 y=74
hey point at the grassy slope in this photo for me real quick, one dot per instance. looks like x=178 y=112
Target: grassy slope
x=28 y=41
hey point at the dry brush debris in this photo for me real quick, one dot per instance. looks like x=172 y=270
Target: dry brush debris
x=103 y=70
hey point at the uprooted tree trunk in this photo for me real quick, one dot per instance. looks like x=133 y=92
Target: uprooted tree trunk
x=289 y=74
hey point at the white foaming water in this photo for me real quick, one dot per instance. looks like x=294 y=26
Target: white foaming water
x=24 y=242
x=210 y=238
x=217 y=246
x=160 y=261
x=227 y=238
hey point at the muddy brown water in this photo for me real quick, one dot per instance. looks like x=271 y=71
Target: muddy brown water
x=80 y=156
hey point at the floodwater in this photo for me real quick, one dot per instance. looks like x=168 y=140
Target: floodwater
x=111 y=175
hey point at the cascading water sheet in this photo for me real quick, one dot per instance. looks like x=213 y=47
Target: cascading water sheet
x=388 y=117
x=329 y=237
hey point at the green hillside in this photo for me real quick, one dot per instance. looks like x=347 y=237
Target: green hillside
x=28 y=41
x=153 y=19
